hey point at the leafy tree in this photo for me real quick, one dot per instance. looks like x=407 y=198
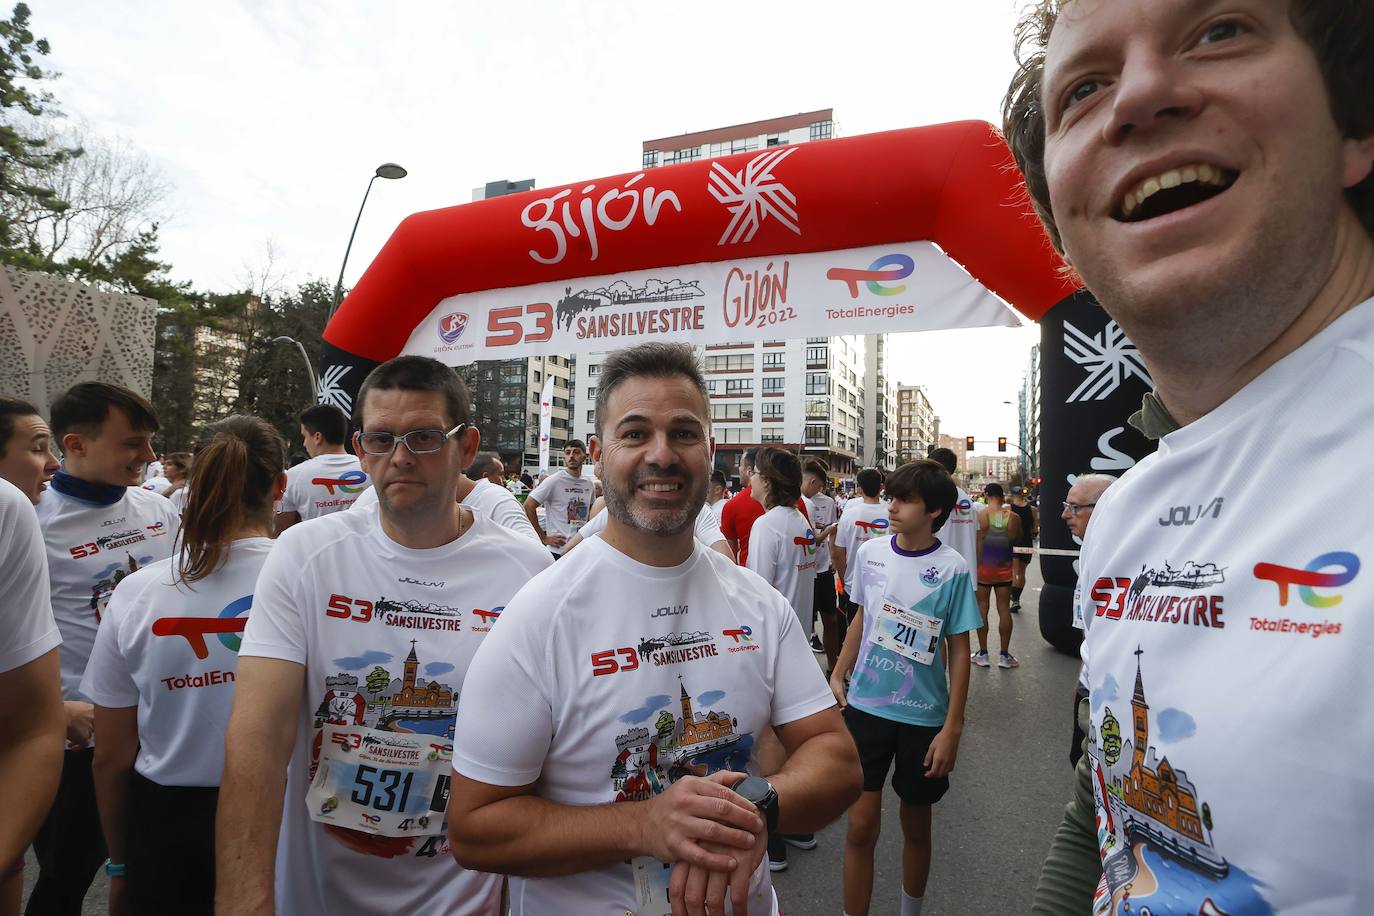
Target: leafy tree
x=24 y=149
x=274 y=384
x=378 y=680
x=665 y=723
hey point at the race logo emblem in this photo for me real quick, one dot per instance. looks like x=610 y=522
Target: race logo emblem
x=452 y=326
x=931 y=577
x=620 y=293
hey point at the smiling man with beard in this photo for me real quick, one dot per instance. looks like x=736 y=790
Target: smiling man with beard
x=1205 y=167
x=610 y=714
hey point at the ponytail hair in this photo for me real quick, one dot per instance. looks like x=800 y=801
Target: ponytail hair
x=237 y=465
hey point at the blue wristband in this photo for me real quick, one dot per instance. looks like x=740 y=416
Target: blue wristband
x=114 y=870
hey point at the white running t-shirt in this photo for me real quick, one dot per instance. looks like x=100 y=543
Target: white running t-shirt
x=27 y=628
x=485 y=498
x=824 y=513
x=171 y=649
x=599 y=700
x=1228 y=656
x=960 y=531
x=782 y=549
x=705 y=527
x=566 y=501
x=91 y=548
x=859 y=522
x=386 y=634
x=322 y=485
x=159 y=485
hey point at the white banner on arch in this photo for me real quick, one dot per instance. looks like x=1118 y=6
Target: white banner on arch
x=912 y=286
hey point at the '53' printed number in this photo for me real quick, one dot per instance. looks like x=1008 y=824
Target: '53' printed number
x=346 y=608
x=613 y=660
x=505 y=327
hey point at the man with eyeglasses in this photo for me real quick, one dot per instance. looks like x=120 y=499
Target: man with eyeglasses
x=362 y=628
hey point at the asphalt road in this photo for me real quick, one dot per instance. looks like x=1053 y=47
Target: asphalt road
x=1007 y=794
x=991 y=831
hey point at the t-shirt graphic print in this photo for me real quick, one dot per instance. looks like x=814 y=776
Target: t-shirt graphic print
x=386 y=634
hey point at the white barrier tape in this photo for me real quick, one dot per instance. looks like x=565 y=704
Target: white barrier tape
x=1047 y=551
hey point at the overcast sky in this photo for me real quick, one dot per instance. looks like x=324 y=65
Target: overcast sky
x=269 y=117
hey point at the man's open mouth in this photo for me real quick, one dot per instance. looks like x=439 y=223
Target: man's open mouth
x=1173 y=190
x=663 y=487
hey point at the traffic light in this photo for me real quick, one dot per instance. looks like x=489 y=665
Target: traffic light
x=1001 y=443
x=968 y=443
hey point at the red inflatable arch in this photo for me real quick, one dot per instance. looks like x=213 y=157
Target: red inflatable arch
x=831 y=237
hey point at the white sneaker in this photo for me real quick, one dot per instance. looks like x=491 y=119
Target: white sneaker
x=1007 y=660
x=980 y=658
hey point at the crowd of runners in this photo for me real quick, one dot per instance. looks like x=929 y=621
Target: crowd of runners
x=285 y=662
x=381 y=682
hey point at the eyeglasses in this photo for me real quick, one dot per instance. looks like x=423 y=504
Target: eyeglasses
x=419 y=441
x=1073 y=508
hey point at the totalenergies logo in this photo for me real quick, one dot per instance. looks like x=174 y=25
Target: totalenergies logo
x=807 y=543
x=871 y=528
x=740 y=634
x=226 y=627
x=887 y=268
x=347 y=482
x=452 y=326
x=1314 y=576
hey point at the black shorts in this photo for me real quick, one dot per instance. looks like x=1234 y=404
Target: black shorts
x=1006 y=584
x=879 y=740
x=823 y=593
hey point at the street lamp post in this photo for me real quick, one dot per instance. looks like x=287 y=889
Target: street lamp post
x=309 y=369
x=385 y=170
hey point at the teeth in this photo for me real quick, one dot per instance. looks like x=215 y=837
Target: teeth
x=1207 y=174
x=661 y=487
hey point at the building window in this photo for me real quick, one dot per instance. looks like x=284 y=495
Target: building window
x=773 y=384
x=534 y=397
x=771 y=434
x=725 y=411
x=711 y=386
x=538 y=377
x=822 y=130
x=734 y=362
x=775 y=140
x=817 y=408
x=594 y=369
x=772 y=411
x=817 y=383
x=773 y=360
x=816 y=357
x=739 y=386
x=816 y=435
x=650 y=158
x=682 y=155
x=591 y=416
x=735 y=434
x=591 y=393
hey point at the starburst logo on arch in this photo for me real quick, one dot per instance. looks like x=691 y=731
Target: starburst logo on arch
x=753 y=195
x=1109 y=358
x=332 y=392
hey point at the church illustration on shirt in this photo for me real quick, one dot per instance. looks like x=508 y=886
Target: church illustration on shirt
x=649 y=760
x=1153 y=800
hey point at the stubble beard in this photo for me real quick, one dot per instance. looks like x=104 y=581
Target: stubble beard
x=620 y=503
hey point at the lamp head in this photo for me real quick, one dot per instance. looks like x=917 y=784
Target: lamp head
x=390 y=170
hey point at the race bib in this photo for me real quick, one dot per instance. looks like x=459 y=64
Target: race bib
x=908 y=633
x=1078 y=620
x=381 y=782
x=651 y=886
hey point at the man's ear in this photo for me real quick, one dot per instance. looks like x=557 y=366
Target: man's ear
x=1357 y=157
x=594 y=448
x=469 y=442
x=72 y=444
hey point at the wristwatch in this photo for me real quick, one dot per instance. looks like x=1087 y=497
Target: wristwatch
x=760 y=793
